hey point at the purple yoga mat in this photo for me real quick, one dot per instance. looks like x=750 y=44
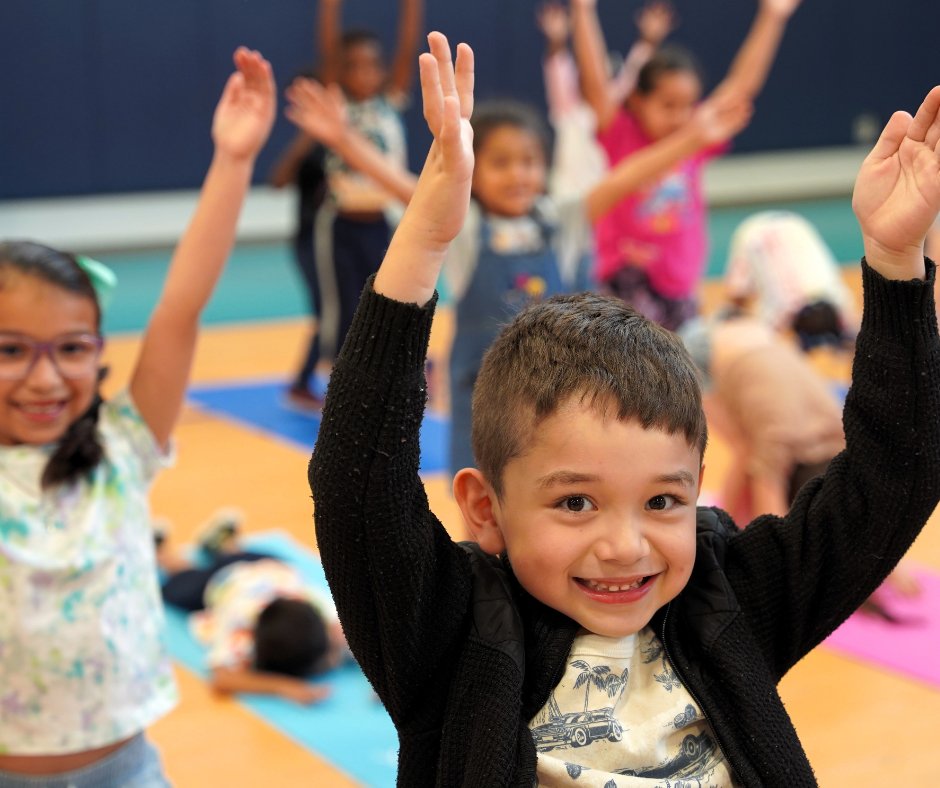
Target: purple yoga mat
x=911 y=647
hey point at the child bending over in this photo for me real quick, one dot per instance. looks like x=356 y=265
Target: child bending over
x=780 y=269
x=597 y=598
x=266 y=629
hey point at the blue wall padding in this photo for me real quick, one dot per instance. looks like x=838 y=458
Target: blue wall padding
x=110 y=95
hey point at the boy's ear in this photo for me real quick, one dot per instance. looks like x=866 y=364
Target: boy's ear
x=479 y=507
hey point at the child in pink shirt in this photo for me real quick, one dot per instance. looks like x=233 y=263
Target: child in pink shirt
x=652 y=247
x=578 y=161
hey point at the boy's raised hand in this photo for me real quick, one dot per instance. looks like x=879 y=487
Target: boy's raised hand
x=317 y=110
x=897 y=191
x=439 y=205
x=245 y=112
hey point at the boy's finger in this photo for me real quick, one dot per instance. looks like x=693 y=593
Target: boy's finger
x=464 y=76
x=440 y=48
x=894 y=133
x=449 y=135
x=431 y=90
x=932 y=137
x=926 y=116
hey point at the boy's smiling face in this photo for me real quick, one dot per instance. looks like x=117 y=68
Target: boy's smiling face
x=598 y=517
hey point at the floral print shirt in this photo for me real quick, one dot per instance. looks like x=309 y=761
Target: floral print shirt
x=82 y=664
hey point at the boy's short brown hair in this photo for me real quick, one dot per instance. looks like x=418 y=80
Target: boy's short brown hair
x=585 y=345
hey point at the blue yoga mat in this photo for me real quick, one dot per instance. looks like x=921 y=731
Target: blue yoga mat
x=350 y=729
x=259 y=404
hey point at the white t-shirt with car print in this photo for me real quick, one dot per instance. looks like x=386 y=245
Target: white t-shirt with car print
x=620 y=718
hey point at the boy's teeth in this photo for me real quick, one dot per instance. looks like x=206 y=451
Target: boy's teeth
x=594 y=585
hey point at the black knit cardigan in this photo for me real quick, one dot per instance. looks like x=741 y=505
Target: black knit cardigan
x=463 y=658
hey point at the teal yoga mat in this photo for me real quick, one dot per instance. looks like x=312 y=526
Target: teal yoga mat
x=351 y=729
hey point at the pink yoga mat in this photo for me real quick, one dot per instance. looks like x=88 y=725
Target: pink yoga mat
x=911 y=647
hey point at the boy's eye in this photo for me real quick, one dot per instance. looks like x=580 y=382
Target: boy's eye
x=662 y=502
x=577 y=503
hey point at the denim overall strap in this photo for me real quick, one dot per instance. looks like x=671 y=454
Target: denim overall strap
x=501 y=285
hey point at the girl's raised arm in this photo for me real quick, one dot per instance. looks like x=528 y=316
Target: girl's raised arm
x=240 y=127
x=590 y=51
x=752 y=63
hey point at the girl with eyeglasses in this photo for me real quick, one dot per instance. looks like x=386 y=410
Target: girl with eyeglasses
x=82 y=668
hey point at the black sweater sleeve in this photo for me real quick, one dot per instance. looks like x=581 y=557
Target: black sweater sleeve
x=797 y=578
x=394 y=572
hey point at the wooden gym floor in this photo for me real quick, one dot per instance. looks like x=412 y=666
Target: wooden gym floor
x=860 y=725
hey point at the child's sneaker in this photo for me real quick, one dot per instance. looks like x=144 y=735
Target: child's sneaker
x=218 y=532
x=302 y=400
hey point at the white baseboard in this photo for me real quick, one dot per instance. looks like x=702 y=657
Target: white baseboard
x=156 y=219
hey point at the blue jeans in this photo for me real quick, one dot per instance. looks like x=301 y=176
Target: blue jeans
x=135 y=765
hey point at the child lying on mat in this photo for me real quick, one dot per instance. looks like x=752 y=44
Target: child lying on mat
x=266 y=629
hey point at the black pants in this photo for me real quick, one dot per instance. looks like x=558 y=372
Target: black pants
x=186 y=589
x=307 y=265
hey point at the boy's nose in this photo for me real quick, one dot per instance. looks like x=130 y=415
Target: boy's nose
x=622 y=542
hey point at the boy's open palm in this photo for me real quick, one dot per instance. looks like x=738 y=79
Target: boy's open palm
x=319 y=111
x=897 y=191
x=245 y=113
x=443 y=191
x=438 y=207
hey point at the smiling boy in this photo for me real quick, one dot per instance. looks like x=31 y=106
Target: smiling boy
x=601 y=628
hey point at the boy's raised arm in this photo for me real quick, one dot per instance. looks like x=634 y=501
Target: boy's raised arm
x=441 y=198
x=847 y=530
x=400 y=584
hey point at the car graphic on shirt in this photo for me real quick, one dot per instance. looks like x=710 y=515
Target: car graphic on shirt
x=577 y=729
x=697 y=755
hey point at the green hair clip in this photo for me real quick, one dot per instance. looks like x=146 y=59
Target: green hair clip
x=103 y=279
